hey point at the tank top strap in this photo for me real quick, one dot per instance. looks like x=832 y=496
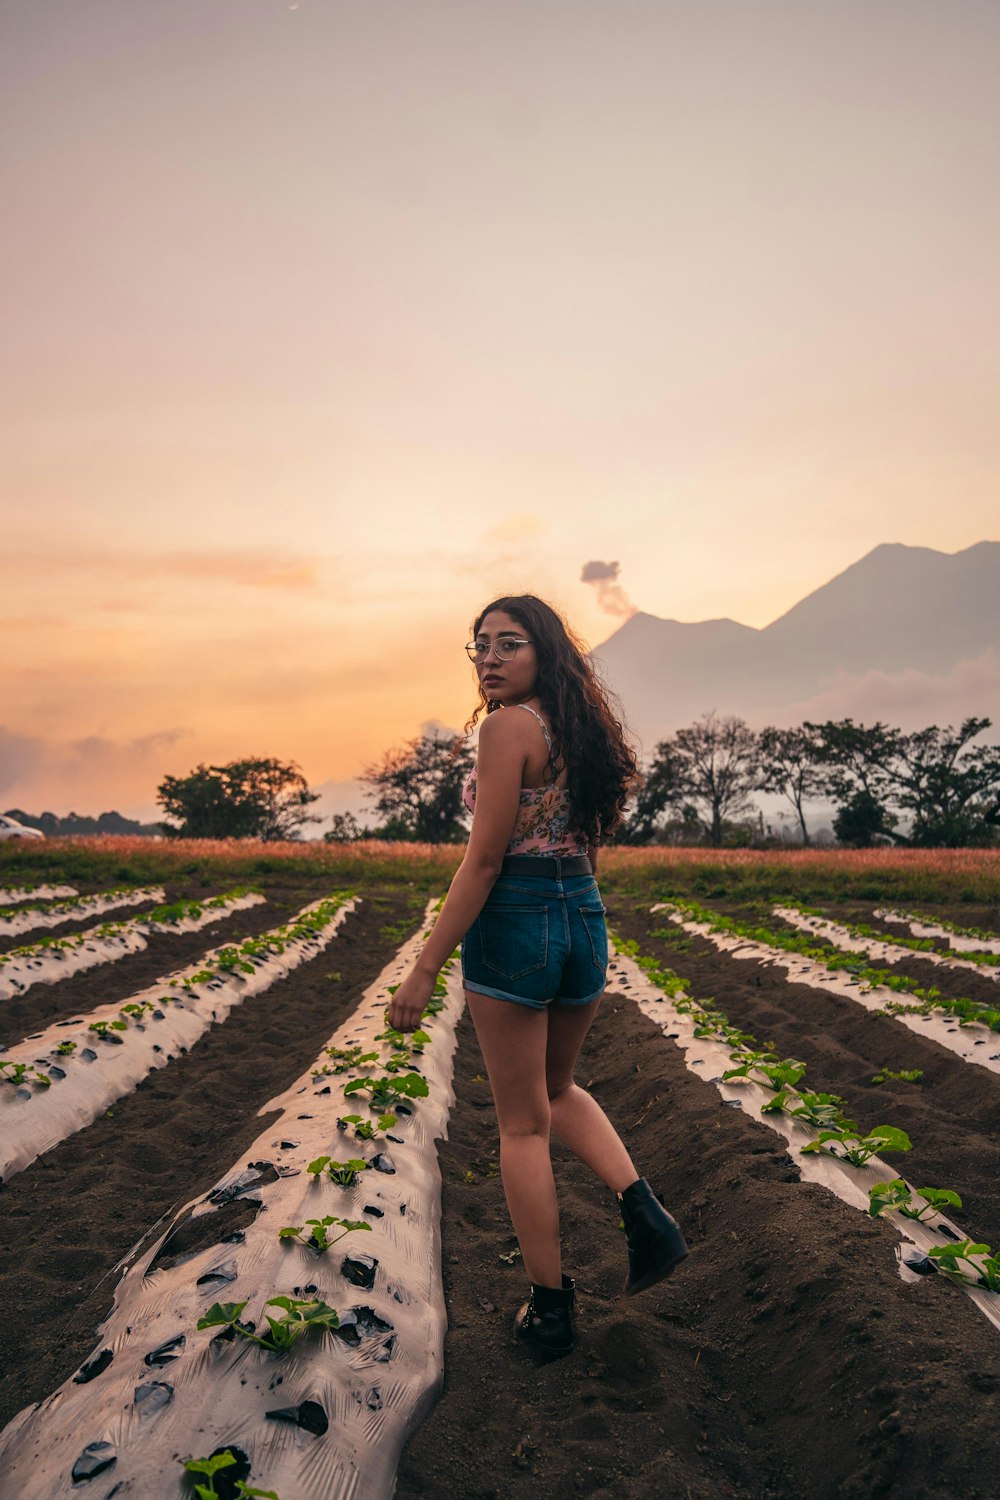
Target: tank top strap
x=548 y=737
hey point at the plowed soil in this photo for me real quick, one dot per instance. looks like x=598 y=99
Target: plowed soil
x=164 y=954
x=785 y=1356
x=69 y=1218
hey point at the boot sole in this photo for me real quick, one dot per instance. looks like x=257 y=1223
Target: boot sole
x=652 y=1278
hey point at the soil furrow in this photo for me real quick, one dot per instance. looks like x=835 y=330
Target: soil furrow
x=952 y=982
x=164 y=953
x=68 y=1219
x=952 y=1115
x=73 y=925
x=788 y=1318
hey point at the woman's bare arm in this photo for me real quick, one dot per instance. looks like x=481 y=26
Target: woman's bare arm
x=504 y=743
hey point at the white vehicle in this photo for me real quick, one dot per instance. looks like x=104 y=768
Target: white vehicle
x=10 y=828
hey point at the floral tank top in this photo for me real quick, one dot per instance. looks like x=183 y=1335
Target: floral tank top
x=542 y=823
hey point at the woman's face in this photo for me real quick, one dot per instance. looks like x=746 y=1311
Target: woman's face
x=506 y=681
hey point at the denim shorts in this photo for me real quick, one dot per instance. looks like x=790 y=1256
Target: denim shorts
x=538 y=941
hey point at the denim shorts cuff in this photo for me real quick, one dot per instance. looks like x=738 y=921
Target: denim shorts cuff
x=587 y=1000
x=482 y=989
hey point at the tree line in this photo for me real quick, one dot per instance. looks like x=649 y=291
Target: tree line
x=696 y=789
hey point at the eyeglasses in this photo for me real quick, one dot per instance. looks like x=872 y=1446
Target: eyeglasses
x=505 y=648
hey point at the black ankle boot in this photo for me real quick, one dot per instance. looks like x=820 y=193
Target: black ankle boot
x=545 y=1322
x=655 y=1242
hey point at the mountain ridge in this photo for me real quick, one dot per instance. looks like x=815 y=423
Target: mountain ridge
x=908 y=630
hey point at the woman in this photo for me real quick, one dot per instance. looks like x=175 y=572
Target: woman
x=551 y=778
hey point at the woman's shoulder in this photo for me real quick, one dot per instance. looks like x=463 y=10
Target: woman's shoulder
x=505 y=728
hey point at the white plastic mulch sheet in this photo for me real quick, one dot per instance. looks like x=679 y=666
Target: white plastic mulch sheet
x=10 y=895
x=886 y=950
x=86 y=950
x=958 y=940
x=14 y=922
x=710 y=1059
x=972 y=1043
x=327 y=1419
x=35 y=1117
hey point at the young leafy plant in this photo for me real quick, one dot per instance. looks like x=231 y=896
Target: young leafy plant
x=300 y=1315
x=905 y=1075
x=19 y=1072
x=387 y=1091
x=364 y=1130
x=210 y=1467
x=343 y=1173
x=319 y=1239
x=103 y=1027
x=822 y=1111
x=882 y=1139
x=896 y=1194
x=948 y=1258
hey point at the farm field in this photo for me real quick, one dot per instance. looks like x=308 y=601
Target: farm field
x=787 y=1355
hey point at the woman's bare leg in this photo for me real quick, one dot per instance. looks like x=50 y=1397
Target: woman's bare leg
x=577 y=1118
x=512 y=1039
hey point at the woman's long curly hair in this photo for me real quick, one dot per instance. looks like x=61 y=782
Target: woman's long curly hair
x=586 y=733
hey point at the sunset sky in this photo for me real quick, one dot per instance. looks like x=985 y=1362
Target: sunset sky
x=326 y=321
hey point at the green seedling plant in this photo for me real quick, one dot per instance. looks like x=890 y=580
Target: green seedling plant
x=882 y=1139
x=365 y=1130
x=897 y=1195
x=822 y=1111
x=319 y=1240
x=230 y=959
x=775 y=1074
x=346 y=1059
x=387 y=1091
x=209 y=1467
x=904 y=1075
x=19 y=1073
x=103 y=1027
x=300 y=1315
x=65 y=1048
x=343 y=1173
x=948 y=1259
x=137 y=1009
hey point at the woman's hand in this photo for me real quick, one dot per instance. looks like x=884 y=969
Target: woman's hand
x=409 y=1000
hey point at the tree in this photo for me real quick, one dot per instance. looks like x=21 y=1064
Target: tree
x=862 y=821
x=788 y=766
x=702 y=776
x=344 y=829
x=953 y=804
x=263 y=799
x=418 y=789
x=663 y=788
x=722 y=768
x=952 y=794
x=851 y=760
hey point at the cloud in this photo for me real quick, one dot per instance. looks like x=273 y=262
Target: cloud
x=611 y=597
x=260 y=569
x=19 y=754
x=250 y=567
x=94 y=772
x=910 y=699
x=517 y=527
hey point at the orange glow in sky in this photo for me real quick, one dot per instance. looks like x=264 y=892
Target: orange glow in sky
x=324 y=323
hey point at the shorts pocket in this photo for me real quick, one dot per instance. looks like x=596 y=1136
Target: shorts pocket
x=514 y=940
x=597 y=931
